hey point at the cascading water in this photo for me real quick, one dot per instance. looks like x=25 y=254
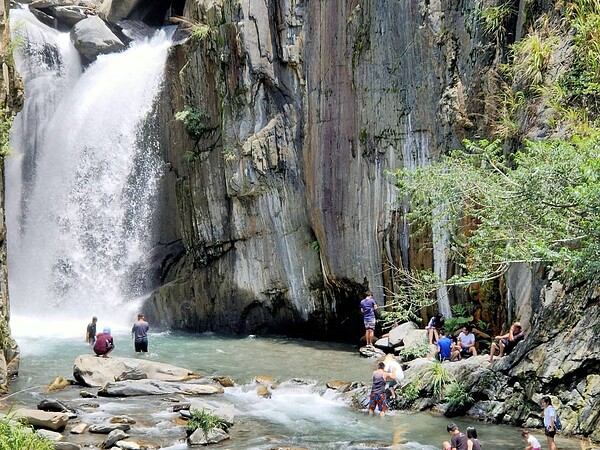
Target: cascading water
x=83 y=184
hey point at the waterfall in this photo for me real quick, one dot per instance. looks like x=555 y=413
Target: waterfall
x=83 y=182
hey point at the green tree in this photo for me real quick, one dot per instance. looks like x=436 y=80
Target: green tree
x=539 y=204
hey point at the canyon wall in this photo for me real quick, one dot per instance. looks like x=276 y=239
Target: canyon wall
x=282 y=211
x=11 y=98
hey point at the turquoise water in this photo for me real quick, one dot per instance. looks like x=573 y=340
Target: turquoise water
x=296 y=415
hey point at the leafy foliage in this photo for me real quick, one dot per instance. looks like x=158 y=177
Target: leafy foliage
x=205 y=420
x=435 y=378
x=5 y=339
x=16 y=436
x=493 y=18
x=541 y=204
x=6 y=121
x=408 y=394
x=457 y=395
x=413 y=291
x=460 y=318
x=531 y=56
x=416 y=351
x=582 y=82
x=195 y=121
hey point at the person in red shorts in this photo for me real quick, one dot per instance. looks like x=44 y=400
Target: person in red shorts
x=377 y=397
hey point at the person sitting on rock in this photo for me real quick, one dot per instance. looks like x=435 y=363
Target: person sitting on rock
x=434 y=326
x=104 y=343
x=507 y=341
x=444 y=346
x=466 y=342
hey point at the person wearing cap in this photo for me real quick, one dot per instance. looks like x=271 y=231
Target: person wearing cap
x=90 y=333
x=139 y=332
x=104 y=343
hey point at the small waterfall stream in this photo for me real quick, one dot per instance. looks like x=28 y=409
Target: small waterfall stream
x=82 y=185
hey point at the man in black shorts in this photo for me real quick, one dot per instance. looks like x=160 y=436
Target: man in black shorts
x=139 y=332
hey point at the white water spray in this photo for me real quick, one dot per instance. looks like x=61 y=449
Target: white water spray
x=83 y=188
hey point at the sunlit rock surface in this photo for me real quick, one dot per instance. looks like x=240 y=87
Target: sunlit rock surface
x=90 y=370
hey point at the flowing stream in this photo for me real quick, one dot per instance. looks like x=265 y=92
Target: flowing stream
x=298 y=415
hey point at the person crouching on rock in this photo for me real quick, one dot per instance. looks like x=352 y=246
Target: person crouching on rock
x=104 y=343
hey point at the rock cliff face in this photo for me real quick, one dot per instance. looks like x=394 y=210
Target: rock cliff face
x=10 y=101
x=283 y=204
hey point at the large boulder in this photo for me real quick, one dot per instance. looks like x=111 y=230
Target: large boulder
x=115 y=10
x=396 y=335
x=89 y=370
x=213 y=436
x=42 y=419
x=70 y=15
x=92 y=37
x=154 y=387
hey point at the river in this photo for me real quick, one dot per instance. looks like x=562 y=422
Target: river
x=297 y=415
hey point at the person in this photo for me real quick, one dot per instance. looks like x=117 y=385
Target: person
x=104 y=343
x=507 y=341
x=377 y=396
x=549 y=421
x=368 y=306
x=436 y=323
x=466 y=342
x=532 y=442
x=90 y=333
x=444 y=346
x=446 y=445
x=139 y=333
x=394 y=368
x=458 y=440
x=473 y=443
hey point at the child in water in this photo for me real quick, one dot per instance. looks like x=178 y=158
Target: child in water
x=532 y=442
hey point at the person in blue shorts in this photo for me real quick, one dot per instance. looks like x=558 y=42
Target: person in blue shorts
x=368 y=306
x=444 y=346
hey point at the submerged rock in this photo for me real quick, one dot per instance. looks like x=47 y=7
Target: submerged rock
x=89 y=370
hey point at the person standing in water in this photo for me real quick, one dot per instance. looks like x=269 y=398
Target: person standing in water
x=377 y=396
x=90 y=334
x=549 y=422
x=473 y=443
x=139 y=332
x=368 y=306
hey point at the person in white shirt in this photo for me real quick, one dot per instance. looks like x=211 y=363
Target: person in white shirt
x=549 y=421
x=532 y=442
x=466 y=341
x=394 y=368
